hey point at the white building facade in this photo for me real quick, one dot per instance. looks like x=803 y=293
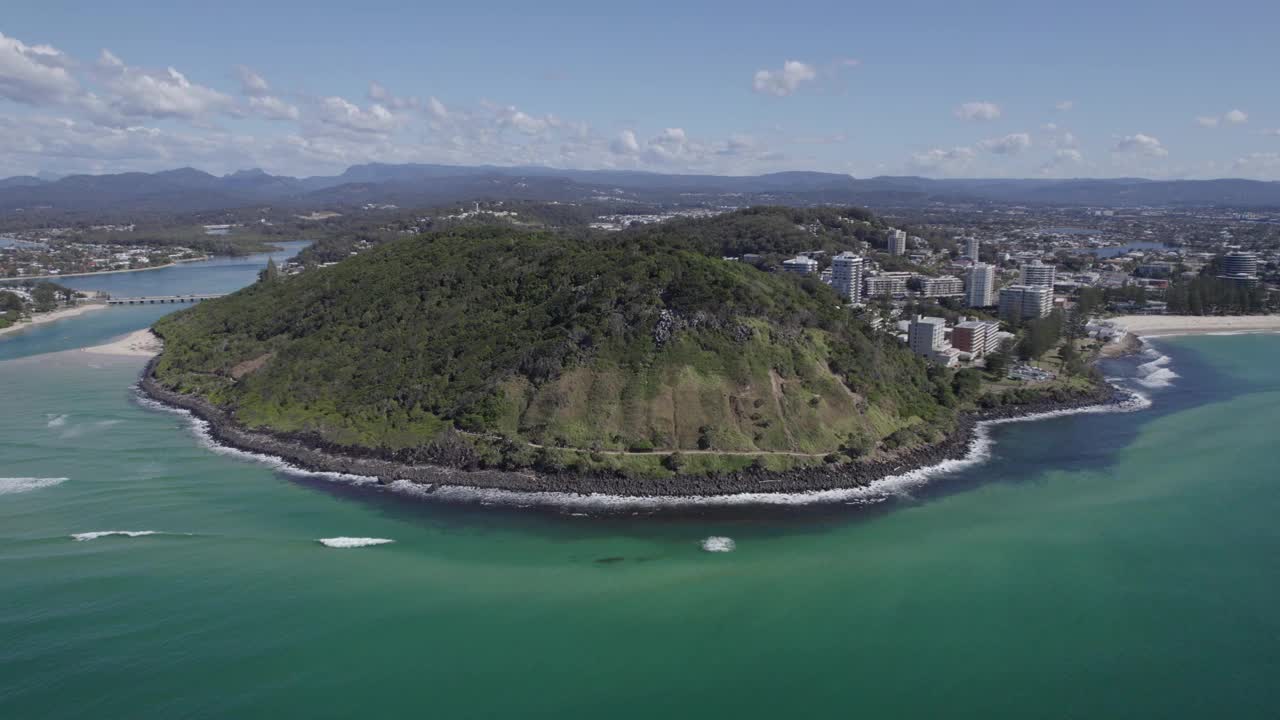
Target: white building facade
x=897 y=242
x=1025 y=302
x=846 y=275
x=1038 y=273
x=927 y=335
x=980 y=286
x=945 y=286
x=800 y=265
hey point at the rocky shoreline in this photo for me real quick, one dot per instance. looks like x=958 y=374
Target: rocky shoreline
x=224 y=430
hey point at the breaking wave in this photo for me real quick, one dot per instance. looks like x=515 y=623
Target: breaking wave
x=27 y=484
x=1156 y=373
x=718 y=544
x=56 y=421
x=200 y=428
x=82 y=537
x=352 y=542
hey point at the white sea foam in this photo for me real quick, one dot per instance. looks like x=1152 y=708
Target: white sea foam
x=1149 y=367
x=74 y=431
x=352 y=542
x=56 y=421
x=1159 y=378
x=200 y=428
x=15 y=485
x=82 y=537
x=718 y=544
x=1155 y=373
x=895 y=485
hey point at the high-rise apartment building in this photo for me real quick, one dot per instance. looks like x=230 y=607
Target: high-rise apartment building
x=980 y=286
x=1025 y=302
x=846 y=275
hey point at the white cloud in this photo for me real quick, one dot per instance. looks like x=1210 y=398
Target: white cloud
x=626 y=143
x=1011 y=144
x=1141 y=144
x=437 y=109
x=341 y=113
x=1259 y=164
x=384 y=97
x=510 y=117
x=140 y=93
x=1062 y=162
x=1064 y=105
x=941 y=160
x=34 y=74
x=737 y=145
x=670 y=145
x=273 y=108
x=785 y=81
x=978 y=111
x=251 y=83
x=261 y=101
x=61 y=144
x=1231 y=117
x=1060 y=137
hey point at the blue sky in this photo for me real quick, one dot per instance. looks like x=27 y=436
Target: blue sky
x=973 y=89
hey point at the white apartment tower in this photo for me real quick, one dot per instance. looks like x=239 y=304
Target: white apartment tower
x=846 y=275
x=980 y=286
x=1037 y=273
x=897 y=242
x=971 y=246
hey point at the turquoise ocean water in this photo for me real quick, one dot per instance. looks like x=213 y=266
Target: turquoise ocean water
x=1107 y=565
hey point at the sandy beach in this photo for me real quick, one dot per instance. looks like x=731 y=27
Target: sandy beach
x=52 y=316
x=139 y=343
x=1165 y=325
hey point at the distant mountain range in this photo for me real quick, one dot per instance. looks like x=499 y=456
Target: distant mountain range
x=413 y=185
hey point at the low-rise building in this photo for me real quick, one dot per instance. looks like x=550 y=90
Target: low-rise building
x=976 y=337
x=945 y=286
x=887 y=284
x=927 y=338
x=926 y=334
x=800 y=265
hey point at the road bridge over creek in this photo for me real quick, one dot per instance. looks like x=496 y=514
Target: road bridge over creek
x=161 y=299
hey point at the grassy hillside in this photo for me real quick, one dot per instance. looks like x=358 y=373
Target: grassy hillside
x=629 y=343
